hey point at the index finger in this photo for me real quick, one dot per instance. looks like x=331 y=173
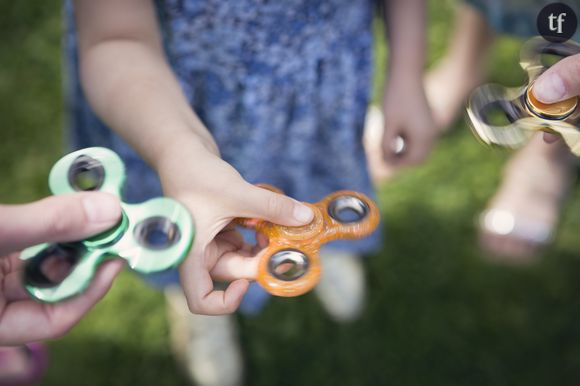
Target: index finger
x=67 y=217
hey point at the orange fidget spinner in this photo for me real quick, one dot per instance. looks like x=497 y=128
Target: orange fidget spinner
x=290 y=265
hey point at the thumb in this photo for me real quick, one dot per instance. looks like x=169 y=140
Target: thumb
x=67 y=217
x=559 y=82
x=274 y=207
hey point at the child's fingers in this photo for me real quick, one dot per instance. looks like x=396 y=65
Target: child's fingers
x=222 y=255
x=226 y=261
x=255 y=202
x=394 y=142
x=66 y=217
x=407 y=143
x=199 y=290
x=224 y=302
x=261 y=240
x=418 y=150
x=234 y=266
x=197 y=282
x=232 y=236
x=396 y=150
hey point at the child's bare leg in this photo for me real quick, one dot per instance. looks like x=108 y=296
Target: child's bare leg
x=525 y=210
x=449 y=83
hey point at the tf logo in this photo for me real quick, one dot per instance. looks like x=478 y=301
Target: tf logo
x=557 y=22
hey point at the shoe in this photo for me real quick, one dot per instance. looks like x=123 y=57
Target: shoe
x=342 y=286
x=207 y=347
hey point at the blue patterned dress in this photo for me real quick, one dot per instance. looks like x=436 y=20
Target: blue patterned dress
x=282 y=85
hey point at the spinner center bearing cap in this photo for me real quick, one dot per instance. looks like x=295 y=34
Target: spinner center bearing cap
x=558 y=110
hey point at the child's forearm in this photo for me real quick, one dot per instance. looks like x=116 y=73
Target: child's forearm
x=129 y=83
x=405 y=25
x=408 y=119
x=135 y=93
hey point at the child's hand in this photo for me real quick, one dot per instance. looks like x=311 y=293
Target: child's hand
x=59 y=218
x=215 y=194
x=409 y=130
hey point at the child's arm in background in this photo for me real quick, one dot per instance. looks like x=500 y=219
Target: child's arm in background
x=406 y=111
x=130 y=85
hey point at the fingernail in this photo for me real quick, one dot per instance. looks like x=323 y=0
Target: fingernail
x=550 y=88
x=302 y=213
x=101 y=208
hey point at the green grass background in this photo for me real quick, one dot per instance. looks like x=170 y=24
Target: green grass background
x=437 y=313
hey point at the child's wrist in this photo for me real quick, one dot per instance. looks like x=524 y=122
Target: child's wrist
x=183 y=149
x=404 y=78
x=403 y=88
x=406 y=70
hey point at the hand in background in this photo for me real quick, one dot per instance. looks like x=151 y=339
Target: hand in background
x=408 y=118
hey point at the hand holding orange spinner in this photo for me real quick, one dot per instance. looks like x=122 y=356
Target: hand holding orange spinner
x=290 y=265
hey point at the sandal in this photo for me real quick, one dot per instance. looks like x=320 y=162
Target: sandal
x=524 y=213
x=505 y=223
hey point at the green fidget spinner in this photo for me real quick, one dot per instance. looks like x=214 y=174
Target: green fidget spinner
x=151 y=236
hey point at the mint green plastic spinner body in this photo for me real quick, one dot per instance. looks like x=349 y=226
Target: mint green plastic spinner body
x=151 y=236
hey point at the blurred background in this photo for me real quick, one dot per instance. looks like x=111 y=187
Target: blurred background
x=437 y=313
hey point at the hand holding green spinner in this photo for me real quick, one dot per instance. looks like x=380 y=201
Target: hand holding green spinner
x=151 y=236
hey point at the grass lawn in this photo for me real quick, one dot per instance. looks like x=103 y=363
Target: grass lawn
x=437 y=313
